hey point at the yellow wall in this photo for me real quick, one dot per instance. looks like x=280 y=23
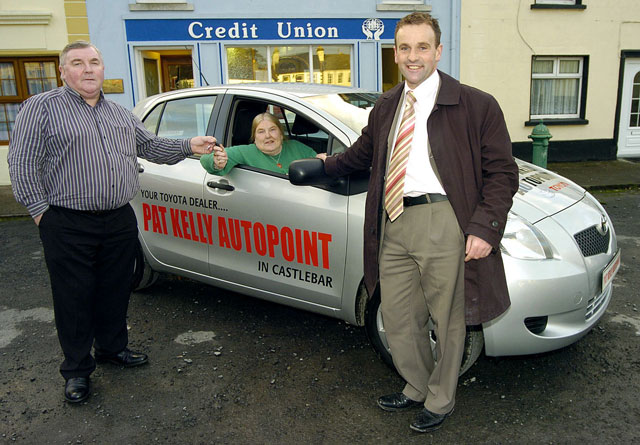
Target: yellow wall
x=498 y=39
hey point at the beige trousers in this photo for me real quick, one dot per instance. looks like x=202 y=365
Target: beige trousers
x=422 y=276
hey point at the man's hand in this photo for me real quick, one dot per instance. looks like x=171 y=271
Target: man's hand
x=219 y=157
x=36 y=219
x=322 y=156
x=476 y=248
x=202 y=145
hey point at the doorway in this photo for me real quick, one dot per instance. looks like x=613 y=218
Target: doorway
x=177 y=72
x=390 y=72
x=162 y=70
x=629 y=129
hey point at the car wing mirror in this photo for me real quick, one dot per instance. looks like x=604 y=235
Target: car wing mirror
x=309 y=172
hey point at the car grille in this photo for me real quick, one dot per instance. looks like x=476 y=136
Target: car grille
x=595 y=304
x=592 y=242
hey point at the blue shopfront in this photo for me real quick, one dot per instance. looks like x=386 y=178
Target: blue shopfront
x=157 y=51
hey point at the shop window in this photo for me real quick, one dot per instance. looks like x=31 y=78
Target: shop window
x=299 y=63
x=21 y=78
x=334 y=60
x=245 y=64
x=558 y=88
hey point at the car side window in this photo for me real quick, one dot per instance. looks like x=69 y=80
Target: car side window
x=302 y=129
x=151 y=120
x=186 y=118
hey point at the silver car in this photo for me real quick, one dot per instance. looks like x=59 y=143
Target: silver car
x=297 y=239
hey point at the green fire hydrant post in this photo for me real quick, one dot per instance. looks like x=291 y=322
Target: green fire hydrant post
x=540 y=136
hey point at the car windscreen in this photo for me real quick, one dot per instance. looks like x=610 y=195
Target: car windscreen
x=350 y=108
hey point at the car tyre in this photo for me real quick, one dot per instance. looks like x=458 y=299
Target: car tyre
x=143 y=275
x=374 y=327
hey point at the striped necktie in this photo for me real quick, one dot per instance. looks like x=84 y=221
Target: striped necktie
x=394 y=190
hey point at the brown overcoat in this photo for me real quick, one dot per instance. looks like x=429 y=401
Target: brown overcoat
x=472 y=152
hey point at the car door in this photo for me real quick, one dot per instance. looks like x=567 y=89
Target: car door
x=174 y=220
x=272 y=238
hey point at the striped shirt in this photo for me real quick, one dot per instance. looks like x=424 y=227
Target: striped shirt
x=66 y=153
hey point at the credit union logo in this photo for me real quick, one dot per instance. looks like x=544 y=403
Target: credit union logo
x=373 y=28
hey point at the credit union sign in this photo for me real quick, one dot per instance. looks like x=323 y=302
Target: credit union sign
x=139 y=30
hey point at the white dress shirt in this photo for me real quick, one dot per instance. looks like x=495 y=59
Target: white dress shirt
x=420 y=177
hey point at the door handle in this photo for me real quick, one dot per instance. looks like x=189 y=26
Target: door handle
x=220 y=185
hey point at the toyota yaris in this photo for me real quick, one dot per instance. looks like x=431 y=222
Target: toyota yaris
x=297 y=239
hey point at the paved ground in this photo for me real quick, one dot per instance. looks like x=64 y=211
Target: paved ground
x=226 y=368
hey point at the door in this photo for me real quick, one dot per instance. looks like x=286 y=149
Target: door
x=177 y=73
x=629 y=130
x=173 y=219
x=273 y=238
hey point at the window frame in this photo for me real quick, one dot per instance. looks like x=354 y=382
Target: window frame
x=558 y=4
x=582 y=76
x=21 y=79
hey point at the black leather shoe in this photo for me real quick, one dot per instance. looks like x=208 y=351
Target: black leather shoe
x=76 y=389
x=126 y=358
x=426 y=421
x=397 y=402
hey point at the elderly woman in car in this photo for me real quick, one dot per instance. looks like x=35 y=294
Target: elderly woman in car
x=269 y=150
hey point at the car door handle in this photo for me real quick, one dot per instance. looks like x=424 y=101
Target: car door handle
x=140 y=168
x=219 y=185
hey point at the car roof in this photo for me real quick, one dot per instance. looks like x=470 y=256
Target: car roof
x=294 y=88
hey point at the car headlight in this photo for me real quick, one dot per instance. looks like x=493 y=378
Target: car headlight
x=523 y=241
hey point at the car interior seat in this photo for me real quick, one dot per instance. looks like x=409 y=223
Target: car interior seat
x=242 y=120
x=302 y=128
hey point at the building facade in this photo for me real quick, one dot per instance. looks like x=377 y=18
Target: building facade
x=153 y=46
x=32 y=33
x=572 y=64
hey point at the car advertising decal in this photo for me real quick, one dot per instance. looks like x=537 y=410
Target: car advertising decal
x=294 y=245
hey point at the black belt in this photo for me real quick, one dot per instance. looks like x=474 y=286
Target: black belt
x=429 y=198
x=87 y=212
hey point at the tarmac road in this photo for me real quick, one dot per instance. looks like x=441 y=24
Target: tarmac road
x=226 y=368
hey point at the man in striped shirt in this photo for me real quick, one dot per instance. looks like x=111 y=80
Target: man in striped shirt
x=73 y=164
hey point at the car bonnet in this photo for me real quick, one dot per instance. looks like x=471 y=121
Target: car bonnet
x=543 y=193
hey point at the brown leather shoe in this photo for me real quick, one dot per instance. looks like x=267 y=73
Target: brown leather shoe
x=126 y=358
x=397 y=402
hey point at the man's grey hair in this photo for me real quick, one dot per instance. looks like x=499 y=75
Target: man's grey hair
x=78 y=44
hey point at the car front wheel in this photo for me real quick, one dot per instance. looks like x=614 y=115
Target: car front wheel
x=473 y=344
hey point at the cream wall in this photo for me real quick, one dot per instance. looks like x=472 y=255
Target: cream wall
x=498 y=39
x=32 y=26
x=38 y=27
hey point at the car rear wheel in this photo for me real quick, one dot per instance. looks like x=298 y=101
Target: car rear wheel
x=143 y=275
x=473 y=344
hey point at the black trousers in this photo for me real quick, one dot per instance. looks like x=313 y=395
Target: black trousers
x=90 y=257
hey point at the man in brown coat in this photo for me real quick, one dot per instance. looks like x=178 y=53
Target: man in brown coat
x=442 y=182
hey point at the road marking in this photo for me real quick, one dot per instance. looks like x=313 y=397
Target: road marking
x=635 y=322
x=192 y=338
x=10 y=318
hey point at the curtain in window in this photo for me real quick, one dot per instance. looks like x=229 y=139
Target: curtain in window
x=554 y=96
x=7 y=80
